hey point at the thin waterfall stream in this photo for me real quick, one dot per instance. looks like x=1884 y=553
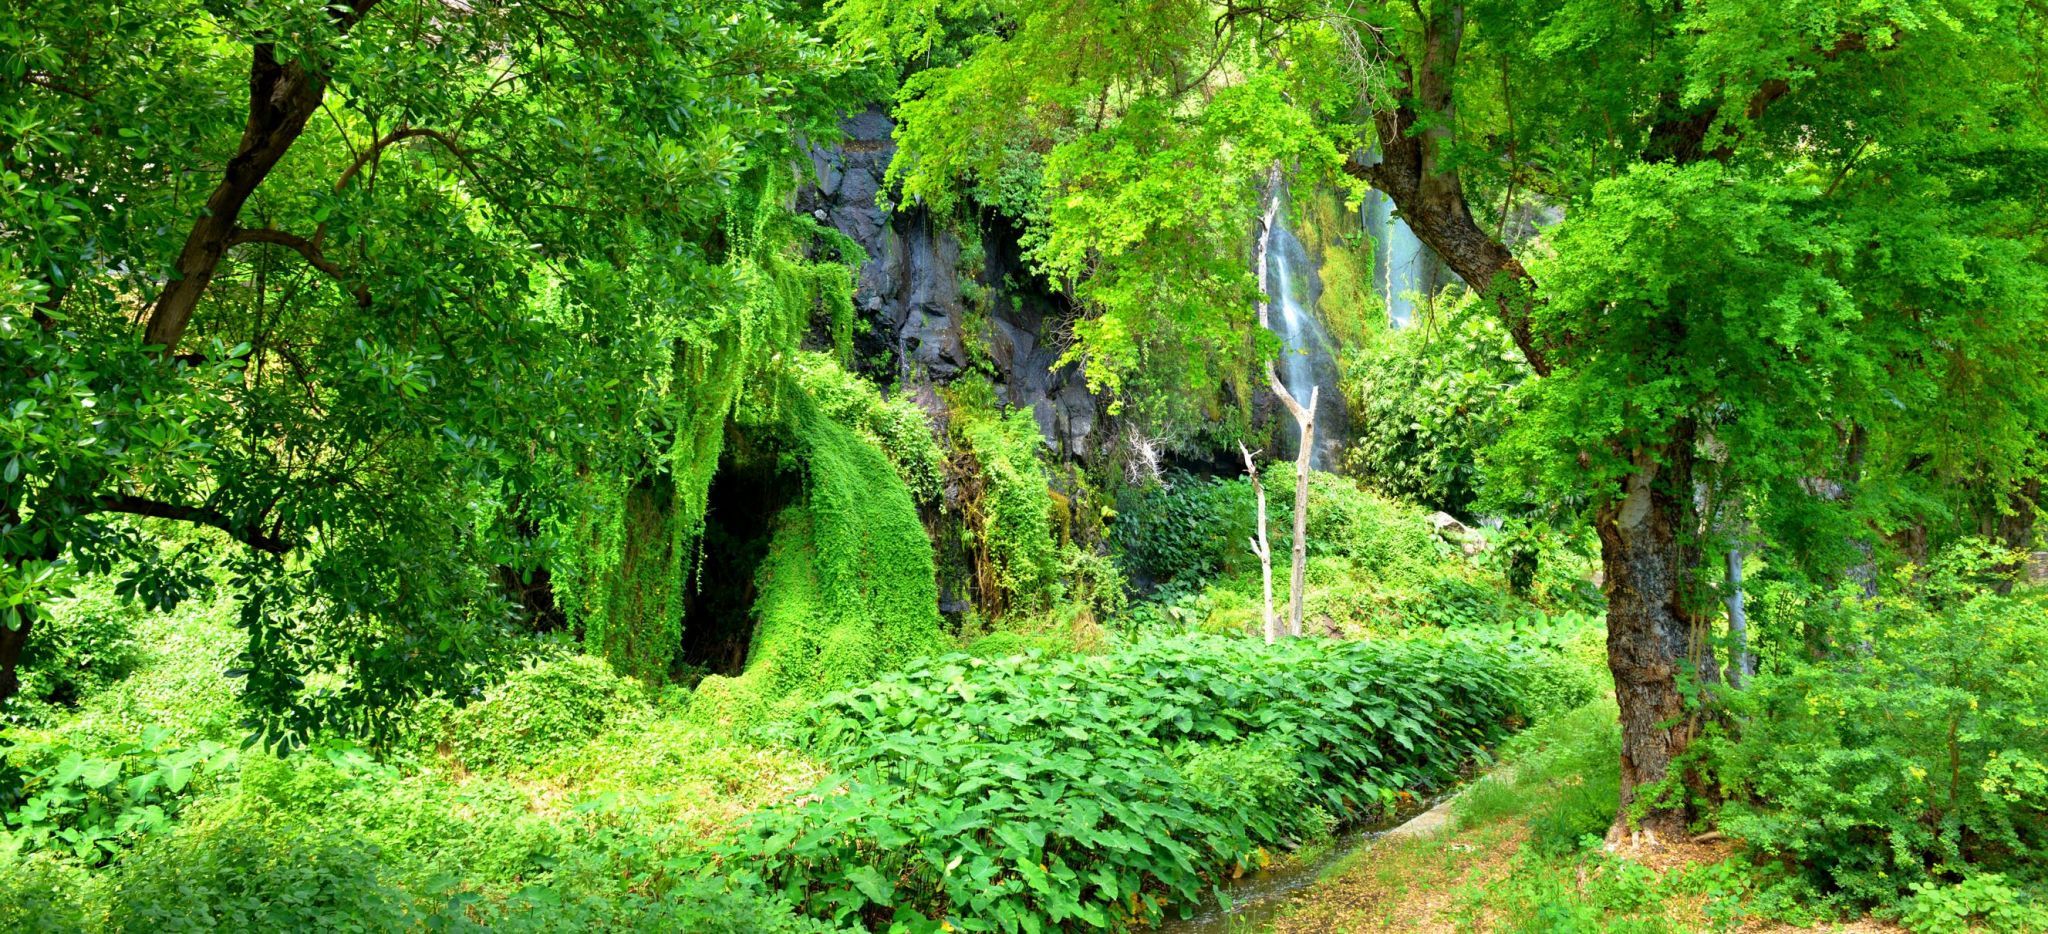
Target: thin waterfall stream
x=1308 y=359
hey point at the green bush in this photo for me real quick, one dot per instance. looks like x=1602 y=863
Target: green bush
x=1980 y=902
x=688 y=905
x=43 y=895
x=93 y=802
x=85 y=644
x=1425 y=404
x=550 y=703
x=1910 y=752
x=1010 y=512
x=1085 y=791
x=1184 y=529
x=259 y=872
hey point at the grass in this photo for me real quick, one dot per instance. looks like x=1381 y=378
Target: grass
x=1523 y=855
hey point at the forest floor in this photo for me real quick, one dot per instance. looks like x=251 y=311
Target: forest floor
x=1497 y=864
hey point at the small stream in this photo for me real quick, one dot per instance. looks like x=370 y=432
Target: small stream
x=1257 y=898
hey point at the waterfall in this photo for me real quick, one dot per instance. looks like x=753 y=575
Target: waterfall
x=1403 y=269
x=1307 y=360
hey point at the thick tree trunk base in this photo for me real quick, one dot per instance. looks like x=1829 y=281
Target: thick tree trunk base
x=1653 y=643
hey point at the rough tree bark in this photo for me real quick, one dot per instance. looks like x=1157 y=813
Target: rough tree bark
x=1654 y=642
x=1263 y=547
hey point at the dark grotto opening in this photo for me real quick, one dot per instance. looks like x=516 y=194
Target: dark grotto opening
x=749 y=490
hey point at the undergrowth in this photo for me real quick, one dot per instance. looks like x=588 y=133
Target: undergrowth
x=1083 y=790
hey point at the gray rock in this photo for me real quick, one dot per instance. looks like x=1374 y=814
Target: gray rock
x=910 y=292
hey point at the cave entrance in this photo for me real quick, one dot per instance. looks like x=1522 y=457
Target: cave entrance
x=750 y=488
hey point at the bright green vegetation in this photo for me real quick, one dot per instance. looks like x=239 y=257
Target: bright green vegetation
x=563 y=798
x=1098 y=790
x=778 y=465
x=1375 y=564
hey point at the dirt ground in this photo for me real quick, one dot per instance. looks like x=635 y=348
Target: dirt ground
x=1441 y=882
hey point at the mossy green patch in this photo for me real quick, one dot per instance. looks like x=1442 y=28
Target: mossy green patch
x=848 y=588
x=1010 y=512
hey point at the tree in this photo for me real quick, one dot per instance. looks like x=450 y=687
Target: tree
x=374 y=288
x=1786 y=224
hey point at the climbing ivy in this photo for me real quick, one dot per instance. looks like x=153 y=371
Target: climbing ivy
x=631 y=532
x=848 y=588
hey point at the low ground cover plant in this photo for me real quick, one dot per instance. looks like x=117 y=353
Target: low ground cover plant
x=1103 y=792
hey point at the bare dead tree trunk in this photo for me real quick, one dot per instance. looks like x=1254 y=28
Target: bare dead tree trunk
x=1306 y=418
x=1263 y=547
x=1303 y=417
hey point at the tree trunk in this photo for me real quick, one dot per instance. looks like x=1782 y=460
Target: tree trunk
x=1306 y=418
x=1298 y=584
x=1263 y=547
x=1742 y=665
x=281 y=98
x=1653 y=642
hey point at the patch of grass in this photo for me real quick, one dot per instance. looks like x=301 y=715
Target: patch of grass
x=1517 y=860
x=1563 y=778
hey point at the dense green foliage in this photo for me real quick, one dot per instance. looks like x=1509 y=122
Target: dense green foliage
x=369 y=370
x=538 y=709
x=1375 y=564
x=848 y=588
x=546 y=243
x=1425 y=405
x=1090 y=790
x=1909 y=757
x=1011 y=515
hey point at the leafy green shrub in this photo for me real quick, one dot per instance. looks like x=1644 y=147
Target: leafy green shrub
x=1567 y=665
x=692 y=905
x=550 y=703
x=43 y=894
x=1182 y=529
x=1912 y=752
x=256 y=871
x=91 y=803
x=1010 y=512
x=1425 y=403
x=1259 y=777
x=1031 y=790
x=1980 y=902
x=85 y=644
x=177 y=681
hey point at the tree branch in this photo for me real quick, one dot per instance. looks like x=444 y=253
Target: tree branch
x=250 y=534
x=282 y=96
x=305 y=248
x=400 y=135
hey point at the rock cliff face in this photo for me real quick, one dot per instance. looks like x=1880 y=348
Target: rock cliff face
x=917 y=322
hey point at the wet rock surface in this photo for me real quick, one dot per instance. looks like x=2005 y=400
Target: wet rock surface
x=916 y=319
